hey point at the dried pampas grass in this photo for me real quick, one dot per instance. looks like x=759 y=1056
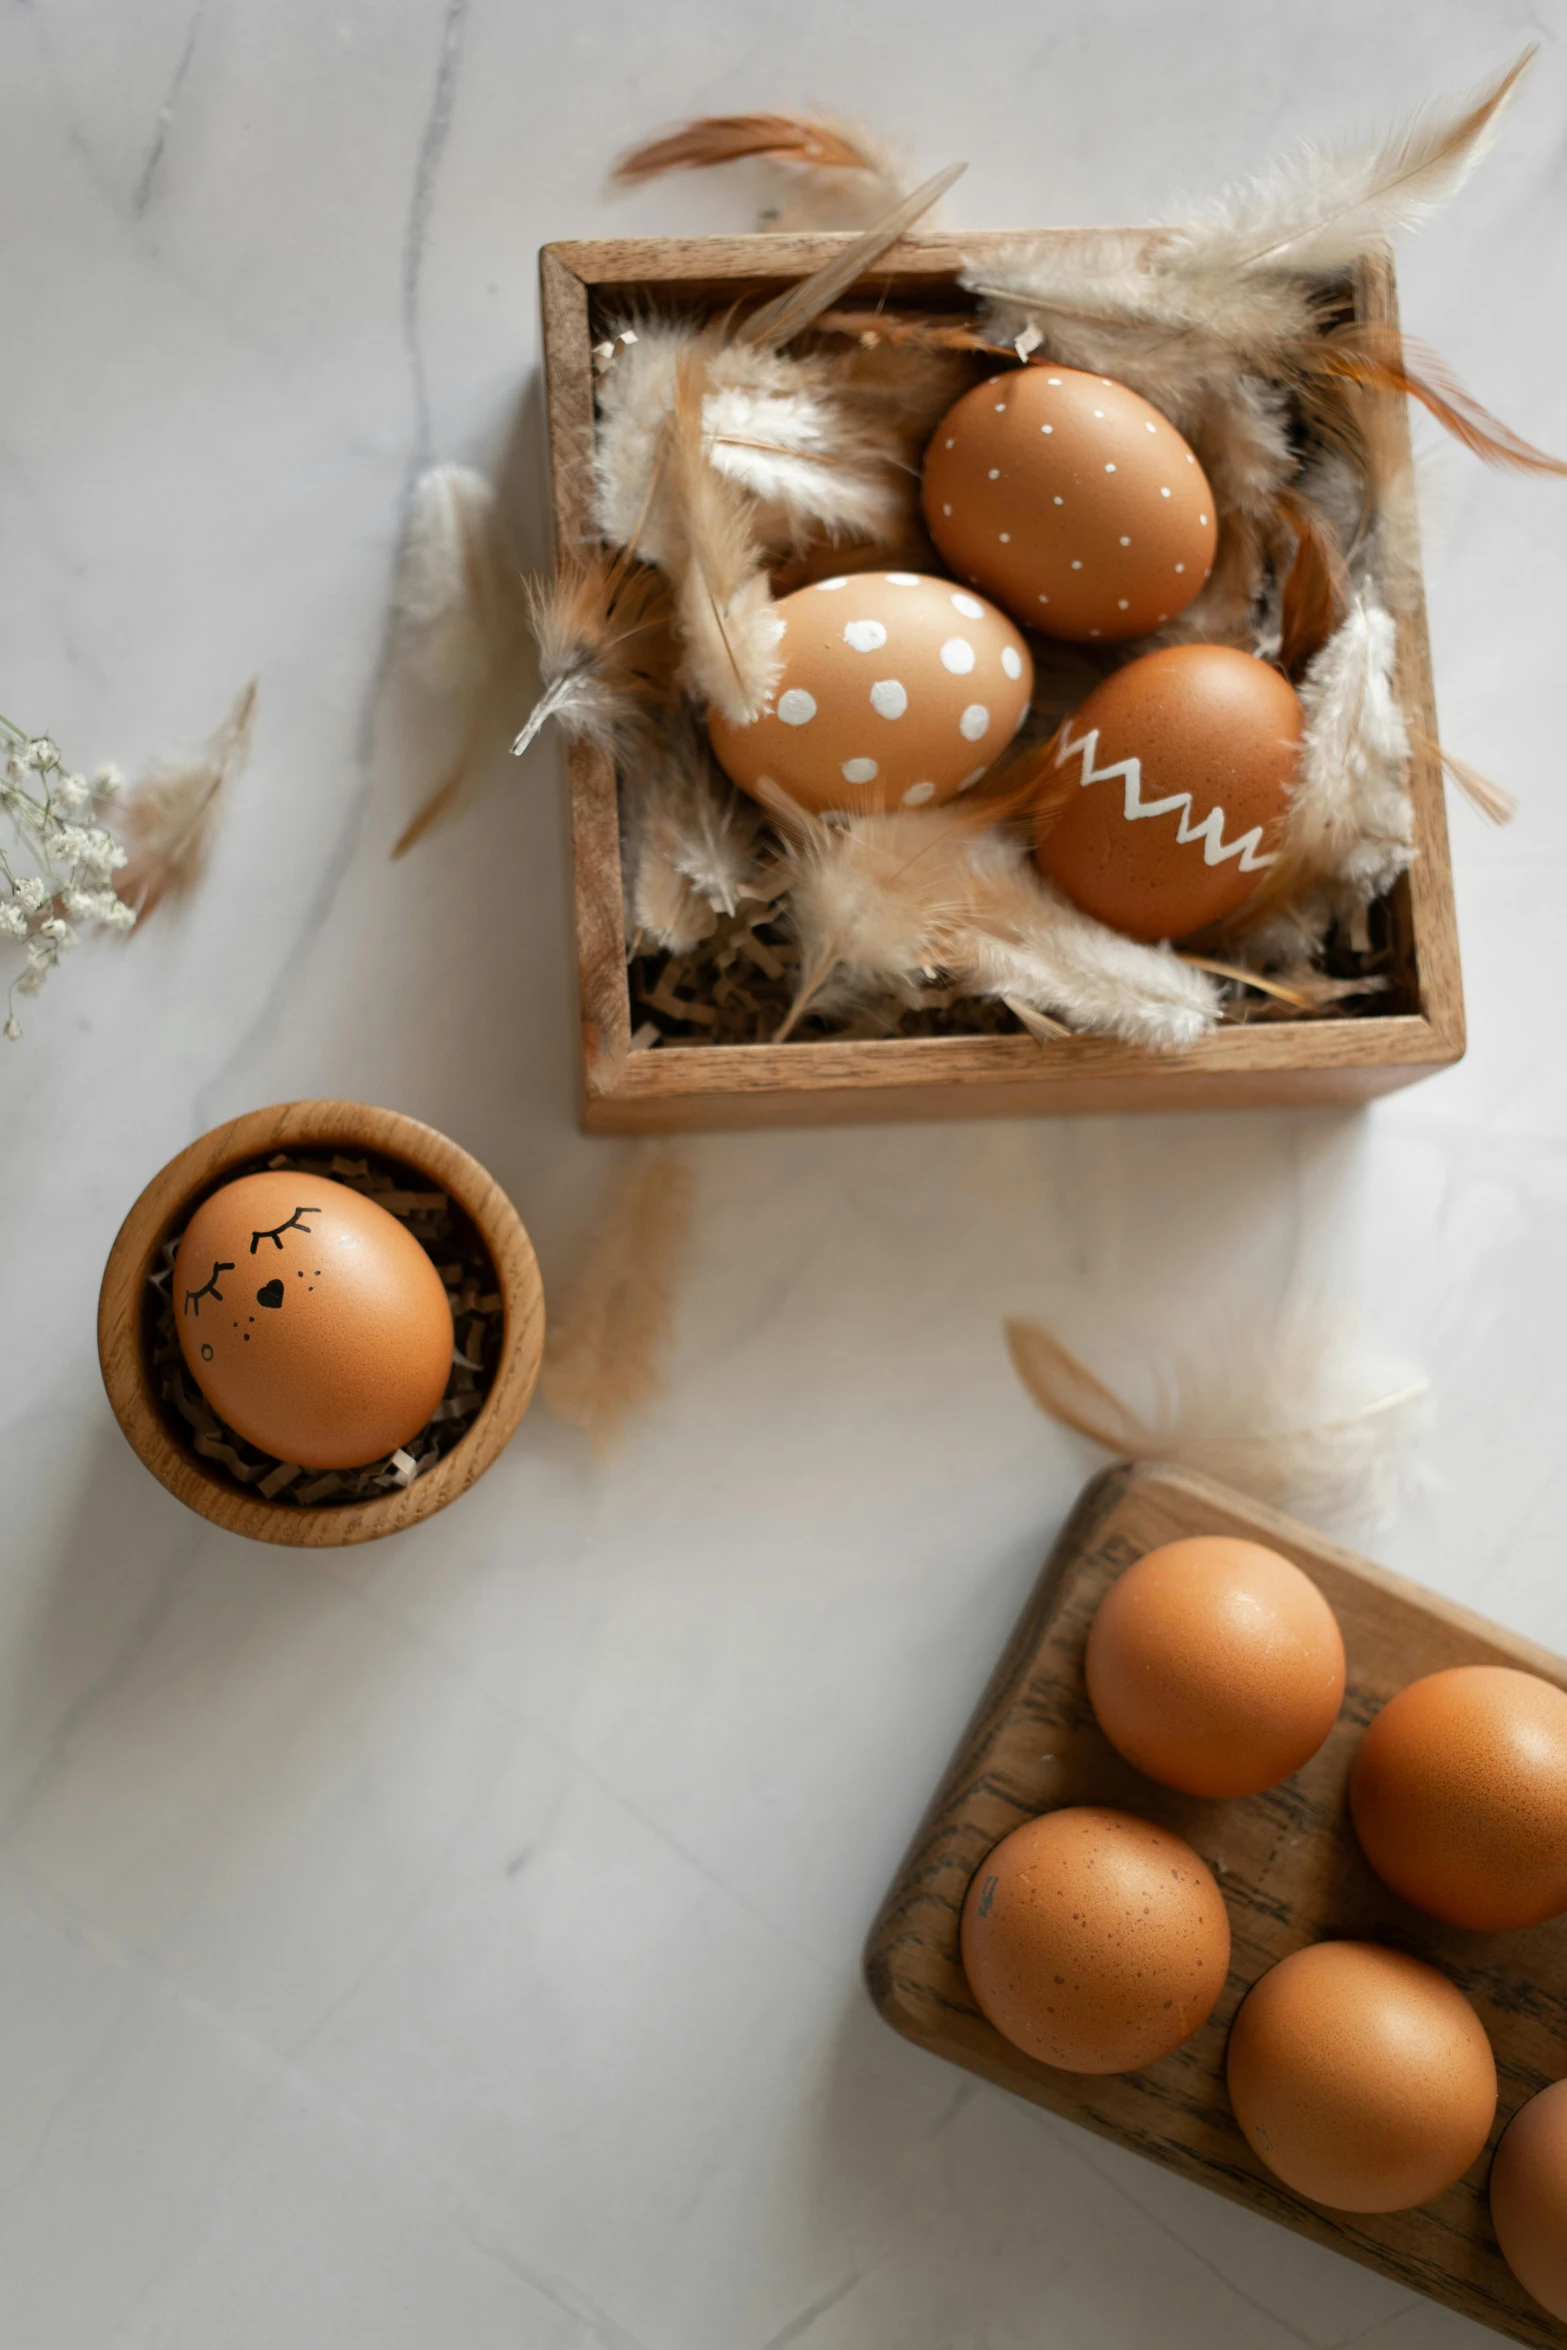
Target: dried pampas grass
x=1292 y=1409
x=170 y=819
x=604 y=1358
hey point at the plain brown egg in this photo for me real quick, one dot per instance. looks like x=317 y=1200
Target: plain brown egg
x=1072 y=502
x=1363 y=2079
x=897 y=691
x=1164 y=798
x=1529 y=2198
x=311 y=1319
x=1095 y=1941
x=1215 y=1666
x=1459 y=1796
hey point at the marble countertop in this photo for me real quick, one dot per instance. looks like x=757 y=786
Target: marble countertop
x=457 y=1942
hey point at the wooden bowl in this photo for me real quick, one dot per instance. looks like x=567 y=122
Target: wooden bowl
x=339 y=1126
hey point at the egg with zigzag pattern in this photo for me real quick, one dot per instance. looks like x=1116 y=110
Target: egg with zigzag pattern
x=1163 y=796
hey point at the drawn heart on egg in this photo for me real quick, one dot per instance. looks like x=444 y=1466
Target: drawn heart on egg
x=271 y=1294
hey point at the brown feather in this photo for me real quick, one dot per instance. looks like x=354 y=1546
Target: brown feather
x=171 y=818
x=1316 y=586
x=1488 y=799
x=712 y=139
x=799 y=306
x=606 y=1349
x=1378 y=358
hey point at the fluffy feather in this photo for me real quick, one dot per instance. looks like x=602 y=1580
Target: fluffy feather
x=1292 y=1408
x=724 y=611
x=778 y=426
x=604 y=1358
x=805 y=458
x=1321 y=208
x=601 y=632
x=1350 y=819
x=691 y=847
x=450 y=596
x=882 y=902
x=170 y=820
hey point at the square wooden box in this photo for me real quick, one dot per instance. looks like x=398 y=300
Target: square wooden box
x=671 y=1089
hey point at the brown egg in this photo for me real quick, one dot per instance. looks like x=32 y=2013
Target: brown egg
x=1215 y=1666
x=311 y=1319
x=1167 y=789
x=1529 y=2198
x=1363 y=2079
x=1072 y=502
x=1459 y=1797
x=897 y=690
x=1095 y=1941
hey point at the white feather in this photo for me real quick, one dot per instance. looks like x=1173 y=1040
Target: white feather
x=448 y=580
x=1351 y=819
x=1299 y=1408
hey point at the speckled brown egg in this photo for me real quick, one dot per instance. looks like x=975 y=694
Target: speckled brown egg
x=1071 y=501
x=311 y=1319
x=1362 y=2078
x=1215 y=1666
x=1529 y=2198
x=1165 y=795
x=1459 y=1796
x=897 y=690
x=1095 y=1941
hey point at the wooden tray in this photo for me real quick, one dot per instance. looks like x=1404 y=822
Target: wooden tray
x=1288 y=1863
x=585 y=287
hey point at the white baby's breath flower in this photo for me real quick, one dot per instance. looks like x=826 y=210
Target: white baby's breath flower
x=30 y=893
x=40 y=755
x=108 y=781
x=72 y=793
x=13 y=1029
x=13 y=922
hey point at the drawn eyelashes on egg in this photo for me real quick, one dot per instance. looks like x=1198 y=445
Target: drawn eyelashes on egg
x=278 y=1230
x=209 y=1288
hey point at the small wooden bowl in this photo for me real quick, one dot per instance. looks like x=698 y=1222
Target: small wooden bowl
x=338 y=1126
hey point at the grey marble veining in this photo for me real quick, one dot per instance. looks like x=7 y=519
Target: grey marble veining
x=457 y=1943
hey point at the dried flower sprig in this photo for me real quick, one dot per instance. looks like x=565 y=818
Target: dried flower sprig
x=55 y=818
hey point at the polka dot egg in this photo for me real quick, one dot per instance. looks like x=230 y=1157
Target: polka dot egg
x=1071 y=501
x=897 y=690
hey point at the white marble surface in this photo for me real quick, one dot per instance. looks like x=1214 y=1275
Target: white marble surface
x=457 y=1943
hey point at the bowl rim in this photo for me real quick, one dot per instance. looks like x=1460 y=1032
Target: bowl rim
x=345 y=1126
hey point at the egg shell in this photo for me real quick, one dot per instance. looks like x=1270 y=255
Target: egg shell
x=1361 y=2078
x=1459 y=1797
x=897 y=691
x=1529 y=2198
x=1215 y=1666
x=311 y=1319
x=1166 y=792
x=1095 y=1941
x=1070 y=500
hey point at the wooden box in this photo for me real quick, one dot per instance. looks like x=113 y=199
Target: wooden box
x=1287 y=1862
x=810 y=1083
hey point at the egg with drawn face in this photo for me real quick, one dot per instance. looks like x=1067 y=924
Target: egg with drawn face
x=897 y=691
x=311 y=1319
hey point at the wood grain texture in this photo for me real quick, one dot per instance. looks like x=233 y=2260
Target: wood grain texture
x=1290 y=1868
x=348 y=1127
x=681 y=1088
